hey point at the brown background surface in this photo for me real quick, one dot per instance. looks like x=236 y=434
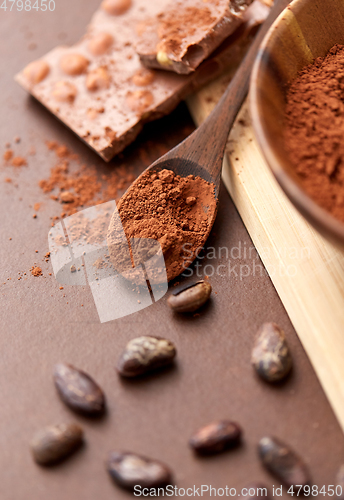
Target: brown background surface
x=154 y=416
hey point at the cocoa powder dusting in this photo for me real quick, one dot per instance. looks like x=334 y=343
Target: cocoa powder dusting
x=314 y=130
x=76 y=188
x=177 y=211
x=175 y=25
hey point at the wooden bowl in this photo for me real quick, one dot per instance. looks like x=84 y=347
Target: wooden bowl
x=306 y=30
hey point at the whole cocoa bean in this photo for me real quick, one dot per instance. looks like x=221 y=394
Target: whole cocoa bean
x=283 y=462
x=78 y=390
x=54 y=443
x=145 y=354
x=270 y=355
x=129 y=470
x=216 y=437
x=190 y=298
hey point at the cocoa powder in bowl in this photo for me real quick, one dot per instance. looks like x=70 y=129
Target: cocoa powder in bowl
x=177 y=211
x=314 y=130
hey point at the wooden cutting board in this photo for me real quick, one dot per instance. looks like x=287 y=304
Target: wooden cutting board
x=306 y=270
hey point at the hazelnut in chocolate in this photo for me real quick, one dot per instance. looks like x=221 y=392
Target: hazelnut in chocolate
x=36 y=71
x=73 y=64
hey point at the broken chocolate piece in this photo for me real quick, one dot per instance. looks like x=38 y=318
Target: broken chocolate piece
x=186 y=32
x=135 y=95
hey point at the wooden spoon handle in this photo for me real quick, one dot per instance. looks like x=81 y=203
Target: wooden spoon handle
x=206 y=145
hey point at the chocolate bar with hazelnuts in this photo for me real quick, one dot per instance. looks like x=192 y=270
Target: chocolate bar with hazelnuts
x=100 y=89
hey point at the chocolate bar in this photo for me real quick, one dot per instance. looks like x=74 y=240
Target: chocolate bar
x=186 y=32
x=99 y=88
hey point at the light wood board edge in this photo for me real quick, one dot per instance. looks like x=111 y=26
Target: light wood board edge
x=313 y=290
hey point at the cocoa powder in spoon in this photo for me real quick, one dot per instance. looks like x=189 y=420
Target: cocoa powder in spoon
x=177 y=211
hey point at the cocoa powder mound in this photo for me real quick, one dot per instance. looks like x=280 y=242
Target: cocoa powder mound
x=177 y=211
x=314 y=130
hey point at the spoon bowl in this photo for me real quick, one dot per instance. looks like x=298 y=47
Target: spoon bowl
x=307 y=29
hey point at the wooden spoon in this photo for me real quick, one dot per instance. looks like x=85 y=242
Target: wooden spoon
x=201 y=154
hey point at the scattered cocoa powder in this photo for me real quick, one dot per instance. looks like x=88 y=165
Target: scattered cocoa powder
x=84 y=230
x=83 y=183
x=156 y=207
x=16 y=161
x=36 y=271
x=314 y=130
x=80 y=187
x=62 y=151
